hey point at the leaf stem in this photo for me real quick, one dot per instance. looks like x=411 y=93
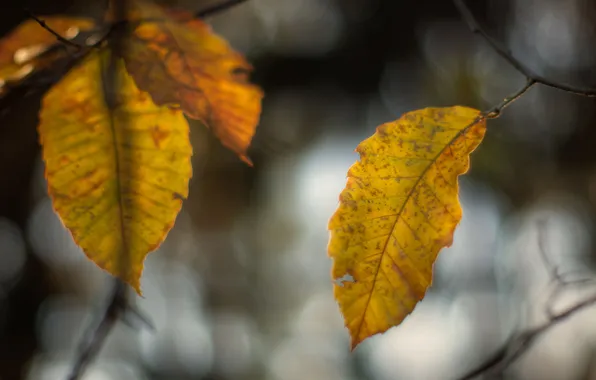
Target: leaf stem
x=495 y=112
x=517 y=64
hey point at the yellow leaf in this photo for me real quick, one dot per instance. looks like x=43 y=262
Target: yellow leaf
x=399 y=208
x=117 y=177
x=178 y=60
x=20 y=51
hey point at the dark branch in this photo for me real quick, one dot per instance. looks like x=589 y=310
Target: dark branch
x=95 y=339
x=210 y=11
x=518 y=344
x=506 y=54
x=552 y=269
x=52 y=31
x=496 y=110
x=42 y=78
x=118 y=309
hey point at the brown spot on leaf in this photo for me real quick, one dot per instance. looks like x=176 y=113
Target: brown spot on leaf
x=159 y=135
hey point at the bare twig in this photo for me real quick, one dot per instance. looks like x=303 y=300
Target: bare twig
x=43 y=77
x=90 y=346
x=60 y=38
x=496 y=110
x=210 y=11
x=517 y=64
x=558 y=280
x=552 y=269
x=118 y=308
x=518 y=344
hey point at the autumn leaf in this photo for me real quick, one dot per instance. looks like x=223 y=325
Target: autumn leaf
x=399 y=208
x=179 y=60
x=21 y=51
x=117 y=177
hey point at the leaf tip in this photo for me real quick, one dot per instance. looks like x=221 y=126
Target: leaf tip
x=247 y=160
x=138 y=290
x=356 y=338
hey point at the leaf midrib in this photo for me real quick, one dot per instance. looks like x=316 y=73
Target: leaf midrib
x=112 y=125
x=408 y=197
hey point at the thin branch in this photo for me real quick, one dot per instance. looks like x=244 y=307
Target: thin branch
x=496 y=110
x=552 y=269
x=210 y=11
x=118 y=308
x=518 y=344
x=90 y=347
x=517 y=64
x=42 y=78
x=43 y=24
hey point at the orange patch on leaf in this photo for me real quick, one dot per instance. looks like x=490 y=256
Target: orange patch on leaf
x=180 y=61
x=159 y=135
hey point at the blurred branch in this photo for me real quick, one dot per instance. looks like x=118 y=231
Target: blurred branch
x=41 y=79
x=518 y=344
x=118 y=308
x=210 y=11
x=557 y=279
x=89 y=347
x=506 y=54
x=552 y=269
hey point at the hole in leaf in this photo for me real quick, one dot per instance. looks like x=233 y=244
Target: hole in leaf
x=345 y=278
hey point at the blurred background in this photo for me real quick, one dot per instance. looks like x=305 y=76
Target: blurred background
x=241 y=288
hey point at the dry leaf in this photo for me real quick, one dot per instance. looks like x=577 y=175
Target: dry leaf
x=178 y=60
x=116 y=178
x=399 y=208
